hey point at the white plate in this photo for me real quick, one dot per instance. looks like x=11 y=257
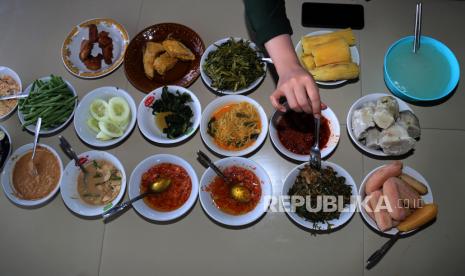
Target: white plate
x=225 y=100
x=58 y=128
x=7 y=174
x=82 y=115
x=345 y=215
x=69 y=191
x=146 y=120
x=135 y=180
x=207 y=79
x=72 y=45
x=215 y=213
x=359 y=104
x=7 y=136
x=353 y=52
x=5 y=71
x=330 y=146
x=428 y=198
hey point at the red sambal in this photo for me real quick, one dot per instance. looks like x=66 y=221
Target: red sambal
x=296 y=132
x=175 y=195
x=220 y=191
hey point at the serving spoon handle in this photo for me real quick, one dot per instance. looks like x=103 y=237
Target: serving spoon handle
x=122 y=206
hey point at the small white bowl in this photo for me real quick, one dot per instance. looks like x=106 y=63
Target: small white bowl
x=146 y=120
x=58 y=128
x=220 y=102
x=207 y=79
x=345 y=215
x=330 y=146
x=69 y=191
x=353 y=52
x=5 y=71
x=428 y=198
x=215 y=213
x=135 y=181
x=82 y=115
x=7 y=176
x=7 y=136
x=359 y=104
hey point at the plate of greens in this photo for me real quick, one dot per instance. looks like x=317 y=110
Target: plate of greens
x=169 y=114
x=232 y=66
x=332 y=193
x=51 y=98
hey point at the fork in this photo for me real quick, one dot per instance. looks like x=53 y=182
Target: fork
x=315 y=154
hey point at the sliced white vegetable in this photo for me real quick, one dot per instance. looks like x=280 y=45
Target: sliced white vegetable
x=99 y=109
x=92 y=123
x=102 y=136
x=118 y=110
x=110 y=129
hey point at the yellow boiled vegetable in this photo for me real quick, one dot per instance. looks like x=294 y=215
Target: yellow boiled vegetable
x=419 y=217
x=332 y=72
x=308 y=62
x=310 y=42
x=336 y=51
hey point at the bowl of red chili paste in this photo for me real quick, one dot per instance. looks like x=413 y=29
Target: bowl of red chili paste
x=177 y=199
x=292 y=133
x=215 y=194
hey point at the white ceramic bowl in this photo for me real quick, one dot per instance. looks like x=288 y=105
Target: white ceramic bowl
x=7 y=136
x=220 y=102
x=353 y=52
x=428 y=198
x=345 y=215
x=215 y=213
x=7 y=174
x=69 y=191
x=58 y=128
x=359 y=104
x=146 y=120
x=135 y=181
x=82 y=115
x=330 y=146
x=207 y=79
x=5 y=71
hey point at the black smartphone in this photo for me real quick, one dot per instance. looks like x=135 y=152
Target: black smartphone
x=328 y=15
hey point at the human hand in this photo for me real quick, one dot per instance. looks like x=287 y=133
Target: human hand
x=300 y=91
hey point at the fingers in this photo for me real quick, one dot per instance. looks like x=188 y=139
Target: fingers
x=302 y=99
x=274 y=98
x=323 y=106
x=314 y=95
x=292 y=100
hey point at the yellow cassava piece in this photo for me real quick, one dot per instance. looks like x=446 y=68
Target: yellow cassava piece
x=308 y=62
x=336 y=51
x=310 y=42
x=333 y=72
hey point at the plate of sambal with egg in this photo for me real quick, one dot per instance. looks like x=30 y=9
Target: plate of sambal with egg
x=216 y=195
x=174 y=201
x=292 y=133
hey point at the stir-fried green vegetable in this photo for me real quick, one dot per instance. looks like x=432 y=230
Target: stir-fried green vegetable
x=52 y=100
x=234 y=65
x=178 y=120
x=311 y=184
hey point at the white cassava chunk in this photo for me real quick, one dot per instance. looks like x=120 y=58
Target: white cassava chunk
x=411 y=123
x=372 y=139
x=386 y=112
x=395 y=140
x=362 y=119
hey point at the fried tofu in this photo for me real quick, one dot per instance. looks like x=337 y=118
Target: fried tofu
x=178 y=50
x=164 y=63
x=151 y=51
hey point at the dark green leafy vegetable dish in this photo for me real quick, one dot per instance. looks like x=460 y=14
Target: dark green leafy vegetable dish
x=234 y=65
x=311 y=184
x=52 y=100
x=172 y=112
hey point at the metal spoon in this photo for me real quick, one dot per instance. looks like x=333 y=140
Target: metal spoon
x=416 y=42
x=36 y=138
x=315 y=154
x=12 y=97
x=160 y=185
x=237 y=191
x=68 y=150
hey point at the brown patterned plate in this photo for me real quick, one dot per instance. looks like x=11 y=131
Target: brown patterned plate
x=72 y=45
x=184 y=73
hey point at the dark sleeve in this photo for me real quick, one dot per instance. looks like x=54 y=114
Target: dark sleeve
x=267 y=19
